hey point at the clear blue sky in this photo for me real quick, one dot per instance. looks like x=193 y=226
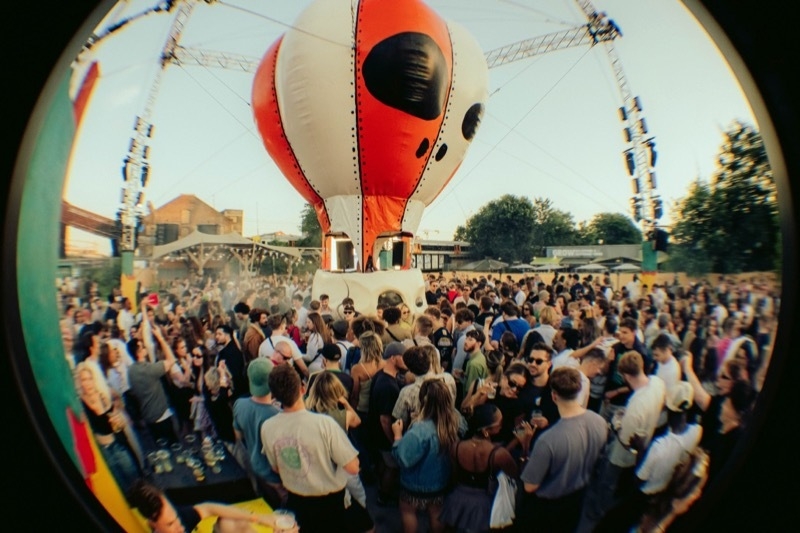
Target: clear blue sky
x=550 y=130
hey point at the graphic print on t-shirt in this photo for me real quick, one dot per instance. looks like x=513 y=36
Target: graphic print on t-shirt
x=292 y=457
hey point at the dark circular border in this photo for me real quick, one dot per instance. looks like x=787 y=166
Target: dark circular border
x=750 y=495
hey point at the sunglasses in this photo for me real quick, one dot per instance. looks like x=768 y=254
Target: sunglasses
x=514 y=386
x=538 y=361
x=285 y=357
x=198 y=356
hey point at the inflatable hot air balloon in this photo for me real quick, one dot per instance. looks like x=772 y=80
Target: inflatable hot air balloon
x=368 y=109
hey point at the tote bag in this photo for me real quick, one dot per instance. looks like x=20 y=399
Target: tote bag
x=505 y=497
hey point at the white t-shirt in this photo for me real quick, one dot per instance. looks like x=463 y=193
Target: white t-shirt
x=663 y=456
x=520 y=298
x=586 y=387
x=565 y=359
x=267 y=347
x=302 y=317
x=308 y=450
x=642 y=413
x=669 y=372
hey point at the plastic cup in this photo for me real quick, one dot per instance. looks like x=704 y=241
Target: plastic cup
x=155 y=462
x=176 y=448
x=163 y=458
x=284 y=519
x=219 y=451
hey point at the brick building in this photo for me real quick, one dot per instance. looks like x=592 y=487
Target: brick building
x=183 y=215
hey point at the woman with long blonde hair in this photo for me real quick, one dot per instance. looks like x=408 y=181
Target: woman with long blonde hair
x=107 y=422
x=371 y=361
x=328 y=396
x=423 y=455
x=436 y=367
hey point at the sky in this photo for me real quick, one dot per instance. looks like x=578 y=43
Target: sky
x=551 y=127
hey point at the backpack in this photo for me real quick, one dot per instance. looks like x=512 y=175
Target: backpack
x=443 y=340
x=353 y=356
x=684 y=488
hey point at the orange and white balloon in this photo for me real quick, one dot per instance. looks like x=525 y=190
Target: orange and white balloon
x=368 y=107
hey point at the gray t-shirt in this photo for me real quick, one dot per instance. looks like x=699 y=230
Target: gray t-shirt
x=146 y=386
x=564 y=456
x=309 y=450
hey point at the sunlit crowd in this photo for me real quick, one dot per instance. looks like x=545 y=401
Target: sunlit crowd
x=555 y=402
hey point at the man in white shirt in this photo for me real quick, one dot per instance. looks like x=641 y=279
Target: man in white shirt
x=655 y=471
x=566 y=341
x=302 y=312
x=631 y=435
x=125 y=319
x=519 y=294
x=667 y=368
x=311 y=453
x=591 y=365
x=465 y=296
x=634 y=288
x=277 y=324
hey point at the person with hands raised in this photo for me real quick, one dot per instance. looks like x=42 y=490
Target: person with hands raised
x=708 y=406
x=144 y=377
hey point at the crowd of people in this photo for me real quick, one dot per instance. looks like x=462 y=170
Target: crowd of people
x=605 y=405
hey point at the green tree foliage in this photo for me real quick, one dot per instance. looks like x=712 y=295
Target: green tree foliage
x=513 y=228
x=611 y=228
x=502 y=229
x=551 y=227
x=730 y=225
x=310 y=228
x=106 y=276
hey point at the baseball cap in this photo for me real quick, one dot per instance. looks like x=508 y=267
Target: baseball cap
x=258 y=374
x=680 y=397
x=331 y=352
x=394 y=348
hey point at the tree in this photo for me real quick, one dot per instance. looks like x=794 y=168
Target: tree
x=513 y=228
x=694 y=219
x=731 y=224
x=502 y=229
x=310 y=228
x=611 y=228
x=551 y=227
